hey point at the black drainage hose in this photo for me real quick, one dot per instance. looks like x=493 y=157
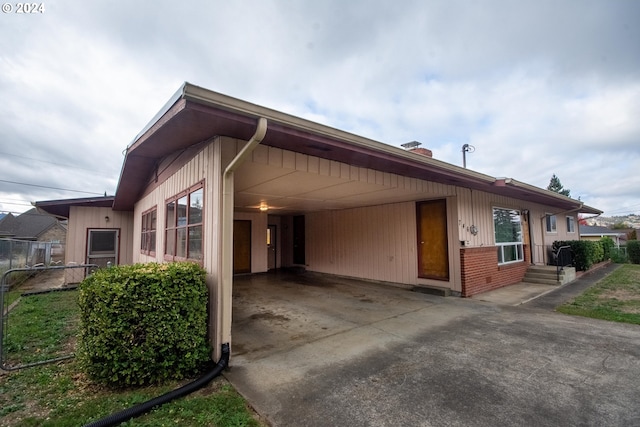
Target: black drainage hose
x=136 y=411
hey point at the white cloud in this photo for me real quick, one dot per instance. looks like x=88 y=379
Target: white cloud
x=538 y=87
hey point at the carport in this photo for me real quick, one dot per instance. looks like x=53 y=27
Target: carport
x=313 y=350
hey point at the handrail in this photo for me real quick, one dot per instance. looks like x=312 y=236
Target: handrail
x=562 y=259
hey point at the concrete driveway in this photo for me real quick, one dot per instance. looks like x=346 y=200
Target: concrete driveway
x=313 y=351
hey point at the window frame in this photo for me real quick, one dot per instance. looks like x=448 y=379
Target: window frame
x=148 y=235
x=571 y=224
x=516 y=247
x=180 y=231
x=551 y=223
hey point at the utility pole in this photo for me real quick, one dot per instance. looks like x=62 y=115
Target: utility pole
x=466 y=148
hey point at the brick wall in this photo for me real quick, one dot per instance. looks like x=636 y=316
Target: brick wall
x=481 y=272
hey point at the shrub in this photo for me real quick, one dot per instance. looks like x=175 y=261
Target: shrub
x=633 y=251
x=619 y=256
x=607 y=244
x=143 y=323
x=585 y=253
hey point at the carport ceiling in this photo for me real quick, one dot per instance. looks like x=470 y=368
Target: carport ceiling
x=287 y=191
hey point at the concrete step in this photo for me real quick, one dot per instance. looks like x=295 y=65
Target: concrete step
x=540 y=281
x=549 y=275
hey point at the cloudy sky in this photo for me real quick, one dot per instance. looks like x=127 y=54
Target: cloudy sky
x=536 y=86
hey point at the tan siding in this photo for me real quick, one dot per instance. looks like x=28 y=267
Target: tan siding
x=83 y=218
x=190 y=174
x=376 y=242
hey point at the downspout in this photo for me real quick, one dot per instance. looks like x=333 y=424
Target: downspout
x=226 y=267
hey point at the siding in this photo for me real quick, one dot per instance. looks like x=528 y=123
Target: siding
x=377 y=242
x=83 y=218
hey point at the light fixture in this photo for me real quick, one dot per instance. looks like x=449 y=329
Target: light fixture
x=263 y=207
x=106 y=218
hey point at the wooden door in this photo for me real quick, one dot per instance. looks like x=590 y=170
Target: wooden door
x=241 y=246
x=433 y=243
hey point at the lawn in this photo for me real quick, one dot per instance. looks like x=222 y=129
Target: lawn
x=615 y=298
x=43 y=326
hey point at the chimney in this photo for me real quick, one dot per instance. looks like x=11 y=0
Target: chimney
x=414 y=147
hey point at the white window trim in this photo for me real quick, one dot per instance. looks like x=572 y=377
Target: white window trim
x=555 y=222
x=519 y=245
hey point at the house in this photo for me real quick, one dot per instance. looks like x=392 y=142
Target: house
x=33 y=226
x=30 y=238
x=241 y=188
x=595 y=233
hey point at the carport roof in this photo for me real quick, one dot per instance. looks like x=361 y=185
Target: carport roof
x=60 y=208
x=195 y=114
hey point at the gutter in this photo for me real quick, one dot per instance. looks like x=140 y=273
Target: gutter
x=207 y=97
x=226 y=267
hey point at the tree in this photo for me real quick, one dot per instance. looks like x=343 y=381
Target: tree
x=556 y=186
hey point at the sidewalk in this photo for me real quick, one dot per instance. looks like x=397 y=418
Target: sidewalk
x=524 y=293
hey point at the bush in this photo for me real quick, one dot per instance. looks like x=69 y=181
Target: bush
x=633 y=251
x=585 y=252
x=143 y=323
x=608 y=245
x=619 y=256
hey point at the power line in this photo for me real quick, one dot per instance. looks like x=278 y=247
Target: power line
x=54 y=163
x=5 y=202
x=50 y=188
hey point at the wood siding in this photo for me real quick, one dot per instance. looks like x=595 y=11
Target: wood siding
x=81 y=219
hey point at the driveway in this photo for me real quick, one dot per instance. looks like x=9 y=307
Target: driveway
x=315 y=351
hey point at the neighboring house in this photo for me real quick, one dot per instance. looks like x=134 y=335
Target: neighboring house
x=595 y=233
x=33 y=225
x=241 y=188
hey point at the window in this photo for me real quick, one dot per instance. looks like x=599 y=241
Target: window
x=183 y=227
x=508 y=235
x=551 y=224
x=148 y=235
x=571 y=224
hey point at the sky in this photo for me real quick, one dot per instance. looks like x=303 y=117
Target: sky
x=537 y=87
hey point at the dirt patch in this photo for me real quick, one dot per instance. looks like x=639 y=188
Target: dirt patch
x=43 y=280
x=620 y=295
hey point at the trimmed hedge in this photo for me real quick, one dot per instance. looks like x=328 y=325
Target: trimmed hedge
x=144 y=323
x=633 y=250
x=585 y=252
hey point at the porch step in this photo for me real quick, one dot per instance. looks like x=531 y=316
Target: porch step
x=547 y=275
x=432 y=290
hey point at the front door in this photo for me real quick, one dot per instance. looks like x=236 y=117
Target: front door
x=241 y=246
x=433 y=243
x=272 y=247
x=102 y=247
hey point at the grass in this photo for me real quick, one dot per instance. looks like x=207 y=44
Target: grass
x=615 y=298
x=58 y=394
x=41 y=327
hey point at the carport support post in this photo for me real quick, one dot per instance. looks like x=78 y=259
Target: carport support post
x=224 y=295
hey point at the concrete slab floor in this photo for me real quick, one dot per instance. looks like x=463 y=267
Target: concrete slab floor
x=311 y=352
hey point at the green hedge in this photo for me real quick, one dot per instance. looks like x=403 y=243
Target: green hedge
x=607 y=245
x=143 y=323
x=633 y=250
x=585 y=252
